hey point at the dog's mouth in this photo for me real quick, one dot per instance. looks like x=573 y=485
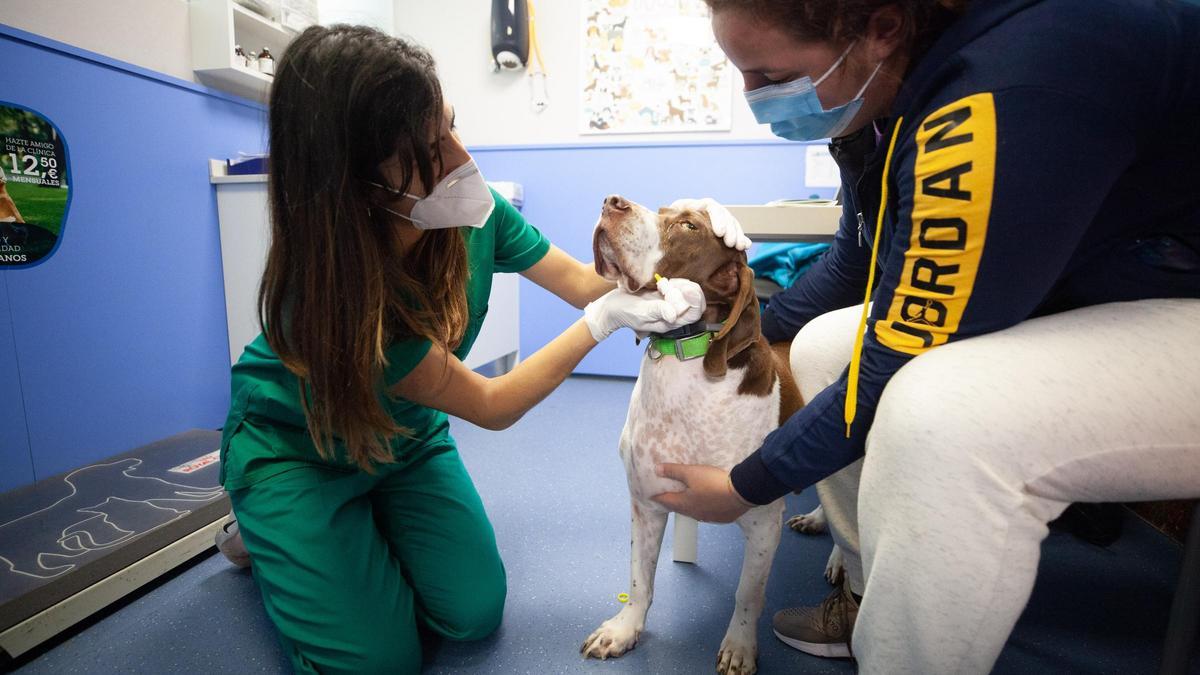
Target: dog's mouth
x=608 y=264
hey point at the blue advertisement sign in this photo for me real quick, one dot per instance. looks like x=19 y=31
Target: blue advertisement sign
x=34 y=186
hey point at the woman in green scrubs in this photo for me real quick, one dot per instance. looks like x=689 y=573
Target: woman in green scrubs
x=354 y=506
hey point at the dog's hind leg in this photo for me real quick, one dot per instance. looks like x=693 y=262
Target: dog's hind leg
x=834 y=568
x=739 y=649
x=620 y=633
x=812 y=522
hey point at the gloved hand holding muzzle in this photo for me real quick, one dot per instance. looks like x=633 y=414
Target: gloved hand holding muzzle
x=675 y=303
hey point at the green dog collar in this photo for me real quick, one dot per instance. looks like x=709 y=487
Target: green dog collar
x=681 y=348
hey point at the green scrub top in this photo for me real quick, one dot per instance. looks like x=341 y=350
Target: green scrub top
x=266 y=434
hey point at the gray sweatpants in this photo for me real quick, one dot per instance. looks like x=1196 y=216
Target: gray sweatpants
x=978 y=444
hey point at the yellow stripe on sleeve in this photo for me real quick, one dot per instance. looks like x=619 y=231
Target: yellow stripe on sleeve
x=856 y=356
x=953 y=179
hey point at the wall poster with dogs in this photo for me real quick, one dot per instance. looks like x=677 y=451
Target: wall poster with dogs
x=652 y=66
x=34 y=186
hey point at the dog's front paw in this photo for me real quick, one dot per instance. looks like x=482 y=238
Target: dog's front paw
x=810 y=523
x=737 y=657
x=613 y=638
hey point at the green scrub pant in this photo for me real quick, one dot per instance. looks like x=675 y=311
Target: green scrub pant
x=349 y=562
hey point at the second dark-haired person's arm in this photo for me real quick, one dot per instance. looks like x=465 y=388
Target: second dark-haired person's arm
x=440 y=380
x=443 y=382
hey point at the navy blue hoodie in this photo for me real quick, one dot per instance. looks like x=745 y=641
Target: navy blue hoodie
x=1047 y=157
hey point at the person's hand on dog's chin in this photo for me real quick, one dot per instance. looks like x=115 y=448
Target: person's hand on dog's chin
x=708 y=495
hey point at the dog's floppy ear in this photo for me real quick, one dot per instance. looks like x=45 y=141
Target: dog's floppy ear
x=743 y=277
x=741 y=327
x=723 y=283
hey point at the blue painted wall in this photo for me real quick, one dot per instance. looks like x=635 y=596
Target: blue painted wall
x=16 y=468
x=565 y=185
x=120 y=335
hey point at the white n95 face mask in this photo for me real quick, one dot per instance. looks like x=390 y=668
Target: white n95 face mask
x=461 y=199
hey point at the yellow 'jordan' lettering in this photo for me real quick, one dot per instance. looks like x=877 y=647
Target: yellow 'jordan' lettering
x=953 y=175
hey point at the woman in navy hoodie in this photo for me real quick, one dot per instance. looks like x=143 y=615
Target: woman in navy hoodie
x=1020 y=253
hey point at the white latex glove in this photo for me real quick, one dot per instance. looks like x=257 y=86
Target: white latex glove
x=724 y=225
x=678 y=302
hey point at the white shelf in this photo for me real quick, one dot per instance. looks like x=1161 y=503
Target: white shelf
x=219 y=25
x=791 y=222
x=255 y=32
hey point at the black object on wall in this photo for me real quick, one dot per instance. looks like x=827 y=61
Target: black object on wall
x=510 y=33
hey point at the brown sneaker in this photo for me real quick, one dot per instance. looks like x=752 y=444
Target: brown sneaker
x=823 y=630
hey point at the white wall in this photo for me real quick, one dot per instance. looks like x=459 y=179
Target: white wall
x=376 y=13
x=148 y=33
x=494 y=108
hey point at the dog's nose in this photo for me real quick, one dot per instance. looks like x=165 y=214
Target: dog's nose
x=616 y=202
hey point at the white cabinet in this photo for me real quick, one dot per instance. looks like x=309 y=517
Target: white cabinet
x=499 y=338
x=217 y=26
x=246 y=236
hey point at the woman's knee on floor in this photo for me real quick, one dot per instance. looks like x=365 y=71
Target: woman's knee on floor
x=476 y=608
x=377 y=647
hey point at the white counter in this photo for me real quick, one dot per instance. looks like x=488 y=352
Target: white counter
x=788 y=222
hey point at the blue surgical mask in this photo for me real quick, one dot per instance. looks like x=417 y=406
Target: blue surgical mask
x=794 y=111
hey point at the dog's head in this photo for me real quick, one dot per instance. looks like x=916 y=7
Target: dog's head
x=632 y=243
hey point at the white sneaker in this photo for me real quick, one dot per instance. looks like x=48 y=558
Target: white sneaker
x=229 y=543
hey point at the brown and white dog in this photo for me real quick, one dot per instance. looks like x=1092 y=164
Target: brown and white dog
x=714 y=410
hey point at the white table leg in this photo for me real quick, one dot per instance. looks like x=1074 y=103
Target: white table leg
x=683 y=547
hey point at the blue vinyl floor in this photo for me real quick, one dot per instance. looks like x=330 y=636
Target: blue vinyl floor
x=555 y=490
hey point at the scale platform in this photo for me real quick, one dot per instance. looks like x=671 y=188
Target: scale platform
x=74 y=543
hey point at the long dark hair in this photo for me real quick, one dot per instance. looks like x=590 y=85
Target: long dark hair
x=336 y=292
x=842 y=21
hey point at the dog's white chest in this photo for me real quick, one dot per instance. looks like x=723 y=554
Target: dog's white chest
x=677 y=414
